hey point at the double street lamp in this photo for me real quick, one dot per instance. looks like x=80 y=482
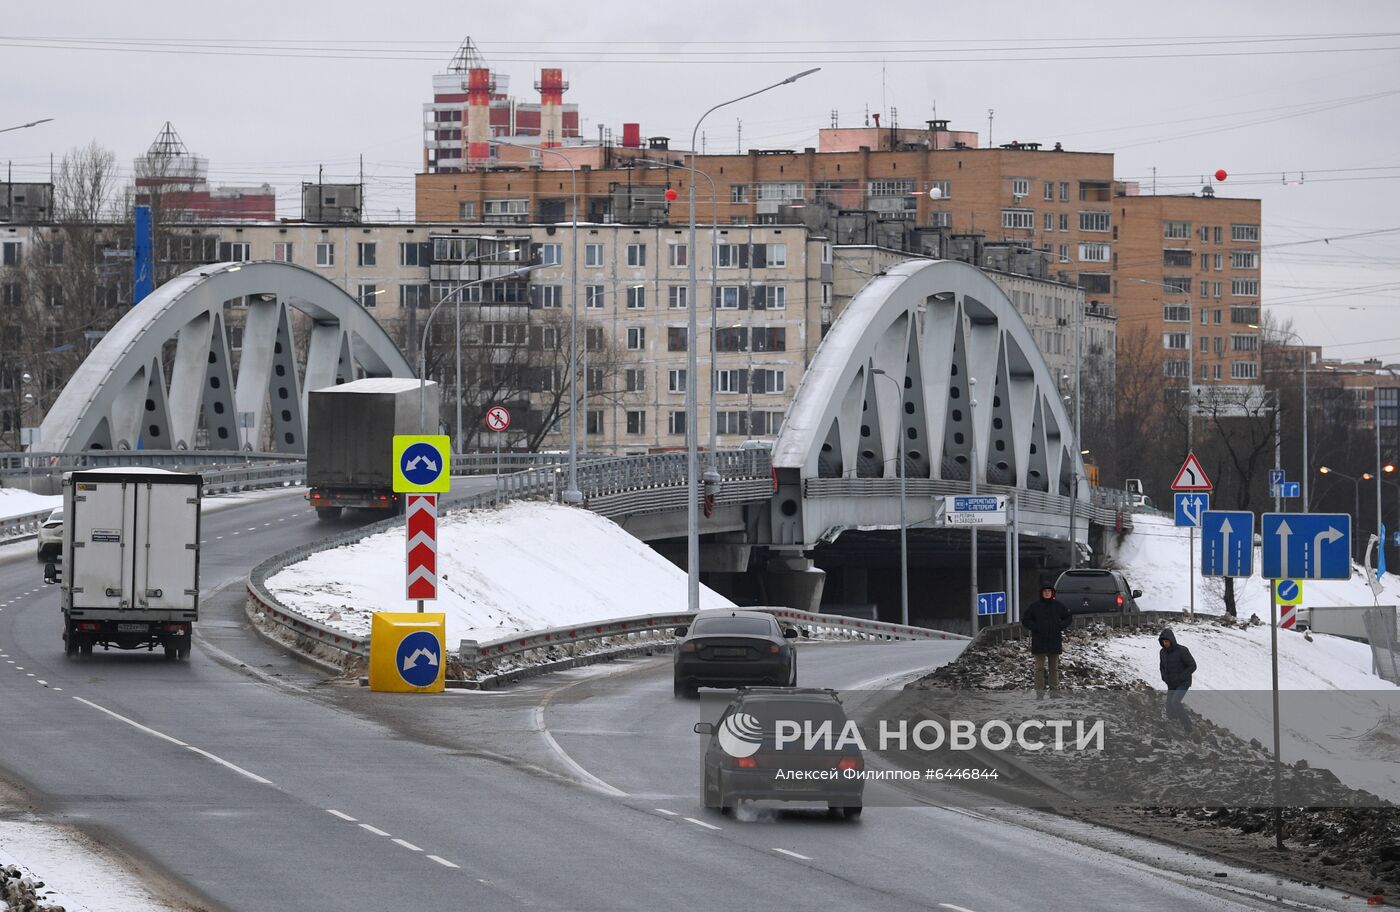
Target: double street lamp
x=691 y=399
x=1387 y=469
x=1356 y=486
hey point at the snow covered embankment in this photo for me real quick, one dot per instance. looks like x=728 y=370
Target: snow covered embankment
x=526 y=566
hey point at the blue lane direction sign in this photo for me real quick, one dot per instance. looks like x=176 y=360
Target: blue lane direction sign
x=1290 y=489
x=1276 y=477
x=1190 y=506
x=1306 y=545
x=991 y=603
x=1227 y=543
x=418 y=657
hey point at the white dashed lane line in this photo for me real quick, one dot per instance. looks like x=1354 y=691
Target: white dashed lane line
x=701 y=823
x=341 y=815
x=793 y=854
x=667 y=813
x=407 y=845
x=373 y=829
x=953 y=907
x=442 y=861
x=402 y=843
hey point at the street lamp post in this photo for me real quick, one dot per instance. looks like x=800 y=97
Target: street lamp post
x=572 y=494
x=1387 y=469
x=1286 y=333
x=903 y=516
x=1356 y=485
x=25 y=126
x=691 y=398
x=427 y=325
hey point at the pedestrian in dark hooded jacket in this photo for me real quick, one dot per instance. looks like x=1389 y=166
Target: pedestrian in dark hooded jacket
x=1047 y=619
x=1177 y=667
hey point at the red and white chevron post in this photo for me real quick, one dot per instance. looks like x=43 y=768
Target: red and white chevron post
x=421 y=552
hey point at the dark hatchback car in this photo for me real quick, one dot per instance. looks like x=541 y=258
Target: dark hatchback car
x=744 y=762
x=732 y=649
x=1096 y=592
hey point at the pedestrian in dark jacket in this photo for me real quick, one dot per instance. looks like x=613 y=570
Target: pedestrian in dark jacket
x=1047 y=619
x=1177 y=665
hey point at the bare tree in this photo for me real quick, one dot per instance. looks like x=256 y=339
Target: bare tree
x=85 y=185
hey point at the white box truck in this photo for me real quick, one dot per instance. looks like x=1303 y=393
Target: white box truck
x=130 y=560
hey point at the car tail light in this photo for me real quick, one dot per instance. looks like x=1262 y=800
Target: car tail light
x=315 y=495
x=88 y=626
x=1120 y=601
x=175 y=628
x=747 y=763
x=849 y=763
x=383 y=497
x=688 y=647
x=775 y=649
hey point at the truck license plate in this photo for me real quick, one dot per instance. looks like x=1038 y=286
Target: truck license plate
x=132 y=628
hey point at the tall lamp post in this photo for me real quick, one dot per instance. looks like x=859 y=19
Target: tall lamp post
x=1356 y=485
x=691 y=398
x=572 y=494
x=1387 y=469
x=1286 y=333
x=903 y=517
x=25 y=126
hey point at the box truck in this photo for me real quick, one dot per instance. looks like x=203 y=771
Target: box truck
x=130 y=560
x=350 y=432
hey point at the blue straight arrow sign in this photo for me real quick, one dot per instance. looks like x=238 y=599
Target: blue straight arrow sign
x=1227 y=543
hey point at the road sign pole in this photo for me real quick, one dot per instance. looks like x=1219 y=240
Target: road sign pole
x=1191 y=575
x=1278 y=784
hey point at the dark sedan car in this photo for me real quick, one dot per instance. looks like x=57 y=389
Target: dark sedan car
x=733 y=649
x=1096 y=592
x=747 y=759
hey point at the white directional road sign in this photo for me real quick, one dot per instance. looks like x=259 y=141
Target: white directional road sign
x=1306 y=545
x=975 y=510
x=1190 y=506
x=1227 y=543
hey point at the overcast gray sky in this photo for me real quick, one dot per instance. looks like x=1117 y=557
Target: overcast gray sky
x=1298 y=101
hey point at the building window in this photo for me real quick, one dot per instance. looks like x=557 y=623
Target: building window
x=1205 y=289
x=636 y=254
x=768 y=381
x=727 y=297
x=636 y=423
x=1064 y=191
x=732 y=423
x=366 y=253
x=415 y=295
x=1064 y=253
x=1175 y=368
x=1050 y=190
x=1246 y=315
x=369 y=295
x=466 y=211
x=11 y=253
x=1219 y=262
x=826 y=253
x=769 y=339
x=677 y=296
x=1244 y=287
x=776 y=256
x=1093 y=253
x=1205 y=233
x=235 y=252
x=1178 y=258
x=1018 y=218
x=769 y=297
x=1205 y=317
x=1177 y=284
x=1217 y=316
x=675 y=338
x=508 y=210
x=738 y=193
x=940 y=220
x=1244 y=259
x=675 y=423
x=551 y=254
x=282 y=251
x=595 y=421
x=891 y=187
x=593 y=254
x=635 y=380
x=593 y=297
x=781 y=191
x=732 y=339
x=675 y=381
x=1176 y=313
x=636 y=297
x=728 y=256
x=677 y=254
x=1205 y=344
x=636 y=338
x=1020 y=186
x=1176 y=231
x=547 y=296
x=1241 y=233
x=1244 y=343
x=1093 y=221
x=1174 y=340
x=732 y=381
x=944 y=188
x=1244 y=370
x=325 y=254
x=1049 y=221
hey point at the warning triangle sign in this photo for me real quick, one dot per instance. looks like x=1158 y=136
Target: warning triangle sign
x=1191 y=477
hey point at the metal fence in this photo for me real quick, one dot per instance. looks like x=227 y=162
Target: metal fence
x=1381 y=633
x=18 y=527
x=1101 y=511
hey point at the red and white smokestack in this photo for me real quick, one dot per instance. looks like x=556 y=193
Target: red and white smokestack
x=476 y=132
x=552 y=87
x=631 y=136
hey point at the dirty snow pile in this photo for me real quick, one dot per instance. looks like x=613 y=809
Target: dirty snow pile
x=525 y=566
x=16 y=502
x=1156 y=558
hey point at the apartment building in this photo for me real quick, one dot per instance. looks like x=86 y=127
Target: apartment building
x=1187 y=272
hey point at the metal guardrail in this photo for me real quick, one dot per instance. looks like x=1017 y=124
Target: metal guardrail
x=1040 y=501
x=223 y=481
x=16 y=527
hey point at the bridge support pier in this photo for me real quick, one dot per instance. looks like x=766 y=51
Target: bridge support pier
x=795 y=582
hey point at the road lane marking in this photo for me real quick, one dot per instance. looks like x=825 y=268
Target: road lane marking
x=793 y=854
x=42 y=681
x=406 y=844
x=666 y=812
x=955 y=908
x=570 y=762
x=708 y=826
x=176 y=741
x=342 y=816
x=373 y=829
x=442 y=861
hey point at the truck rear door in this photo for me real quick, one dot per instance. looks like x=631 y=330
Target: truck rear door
x=100 y=565
x=166 y=568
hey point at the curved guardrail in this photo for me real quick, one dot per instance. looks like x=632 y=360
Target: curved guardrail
x=17 y=527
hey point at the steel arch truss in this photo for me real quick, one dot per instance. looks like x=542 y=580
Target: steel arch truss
x=930 y=327
x=168 y=363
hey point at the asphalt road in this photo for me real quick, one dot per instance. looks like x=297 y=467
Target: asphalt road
x=257 y=783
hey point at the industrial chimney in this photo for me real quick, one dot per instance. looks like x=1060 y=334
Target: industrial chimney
x=552 y=87
x=476 y=131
